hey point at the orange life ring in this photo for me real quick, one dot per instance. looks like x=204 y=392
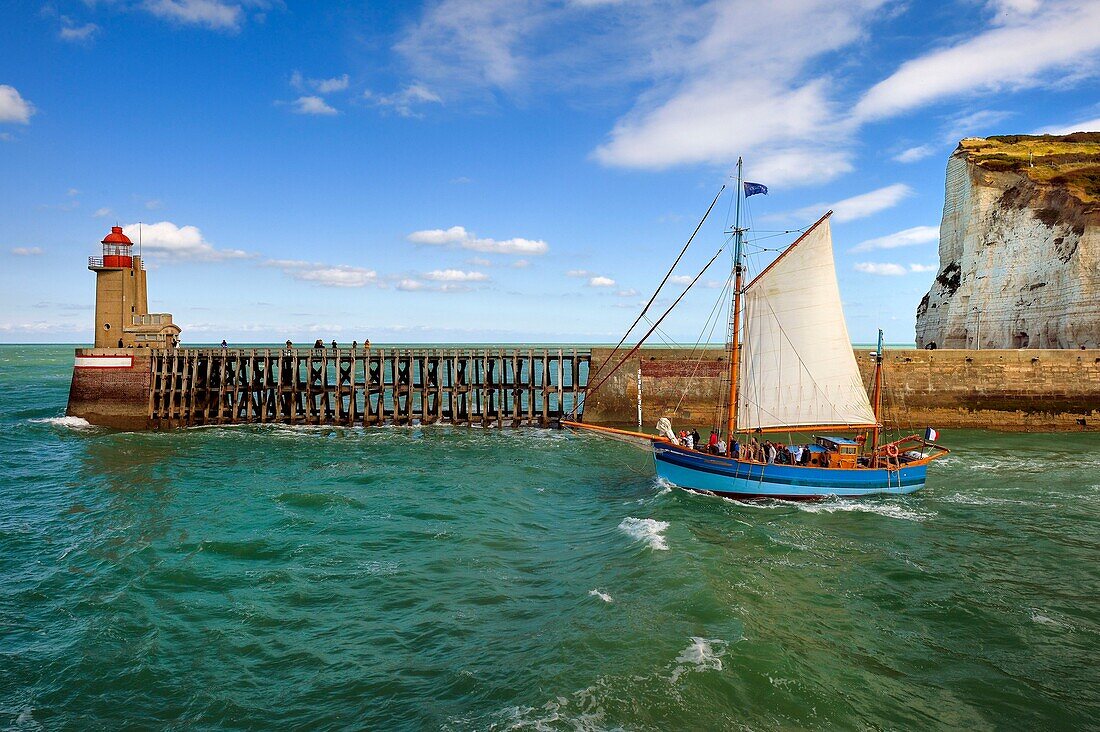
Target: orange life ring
x=892 y=450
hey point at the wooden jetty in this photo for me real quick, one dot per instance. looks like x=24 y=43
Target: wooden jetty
x=365 y=386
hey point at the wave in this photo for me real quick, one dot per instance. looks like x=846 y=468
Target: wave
x=647 y=530
x=72 y=423
x=316 y=500
x=833 y=505
x=602 y=595
x=703 y=654
x=890 y=510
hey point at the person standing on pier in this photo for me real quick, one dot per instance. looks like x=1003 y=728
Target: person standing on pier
x=224 y=344
x=334 y=344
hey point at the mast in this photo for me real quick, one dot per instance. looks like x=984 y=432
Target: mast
x=876 y=393
x=735 y=317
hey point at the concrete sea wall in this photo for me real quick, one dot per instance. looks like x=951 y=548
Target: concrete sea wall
x=1029 y=389
x=1020 y=390
x=108 y=394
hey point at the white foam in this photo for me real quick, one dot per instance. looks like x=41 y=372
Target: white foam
x=647 y=530
x=833 y=505
x=704 y=654
x=602 y=595
x=1038 y=617
x=73 y=423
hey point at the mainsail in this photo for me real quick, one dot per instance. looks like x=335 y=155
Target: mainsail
x=797 y=365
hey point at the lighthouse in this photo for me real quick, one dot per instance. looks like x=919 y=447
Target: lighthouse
x=122 y=317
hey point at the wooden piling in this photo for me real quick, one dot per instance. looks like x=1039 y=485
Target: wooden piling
x=486 y=387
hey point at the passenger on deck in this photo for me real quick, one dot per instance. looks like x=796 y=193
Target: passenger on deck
x=689 y=442
x=712 y=443
x=769 y=452
x=735 y=452
x=696 y=440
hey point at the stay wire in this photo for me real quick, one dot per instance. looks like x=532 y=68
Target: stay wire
x=638 y=345
x=658 y=290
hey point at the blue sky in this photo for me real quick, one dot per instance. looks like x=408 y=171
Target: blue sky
x=478 y=170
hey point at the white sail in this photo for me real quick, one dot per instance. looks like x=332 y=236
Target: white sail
x=797 y=364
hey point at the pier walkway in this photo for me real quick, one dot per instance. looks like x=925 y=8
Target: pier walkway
x=365 y=386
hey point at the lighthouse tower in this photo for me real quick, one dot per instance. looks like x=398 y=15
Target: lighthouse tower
x=122 y=317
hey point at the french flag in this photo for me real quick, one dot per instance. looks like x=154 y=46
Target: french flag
x=931 y=435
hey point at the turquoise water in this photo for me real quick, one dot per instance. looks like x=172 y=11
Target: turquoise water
x=407 y=578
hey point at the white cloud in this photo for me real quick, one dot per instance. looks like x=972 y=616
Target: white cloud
x=861 y=206
x=410 y=285
x=577 y=273
x=26 y=251
x=627 y=293
x=480 y=262
x=475 y=42
x=71 y=31
x=913 y=154
x=455 y=275
x=328 y=86
x=601 y=281
x=1012 y=55
x=1092 y=125
x=880 y=268
x=153 y=204
x=165 y=239
x=457 y=236
x=903 y=238
x=922 y=268
x=102 y=212
x=971 y=123
x=706 y=107
x=1025 y=7
x=521 y=263
x=314 y=105
x=681 y=279
x=209 y=13
x=406 y=101
x=330 y=275
x=13 y=107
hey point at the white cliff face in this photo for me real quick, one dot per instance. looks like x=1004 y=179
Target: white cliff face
x=1019 y=266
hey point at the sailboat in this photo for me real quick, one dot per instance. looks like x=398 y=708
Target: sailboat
x=792 y=371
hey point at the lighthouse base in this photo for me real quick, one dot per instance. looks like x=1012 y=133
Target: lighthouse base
x=110 y=387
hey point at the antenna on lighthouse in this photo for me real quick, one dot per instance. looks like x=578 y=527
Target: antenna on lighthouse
x=139 y=240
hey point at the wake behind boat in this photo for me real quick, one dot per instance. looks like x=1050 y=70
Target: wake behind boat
x=792 y=371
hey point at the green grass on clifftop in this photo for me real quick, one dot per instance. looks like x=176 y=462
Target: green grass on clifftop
x=1065 y=161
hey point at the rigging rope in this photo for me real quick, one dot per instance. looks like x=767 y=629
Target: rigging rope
x=657 y=323
x=658 y=290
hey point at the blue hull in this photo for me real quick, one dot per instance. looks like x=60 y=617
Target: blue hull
x=725 y=477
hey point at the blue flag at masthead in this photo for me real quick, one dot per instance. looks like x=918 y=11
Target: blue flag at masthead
x=751 y=189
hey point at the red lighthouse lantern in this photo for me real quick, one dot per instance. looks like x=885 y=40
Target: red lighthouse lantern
x=117 y=249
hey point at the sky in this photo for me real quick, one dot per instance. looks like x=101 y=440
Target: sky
x=498 y=171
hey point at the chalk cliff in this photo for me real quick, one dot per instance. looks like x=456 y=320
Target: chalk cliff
x=1019 y=246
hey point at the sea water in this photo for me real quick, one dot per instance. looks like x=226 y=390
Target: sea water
x=268 y=577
